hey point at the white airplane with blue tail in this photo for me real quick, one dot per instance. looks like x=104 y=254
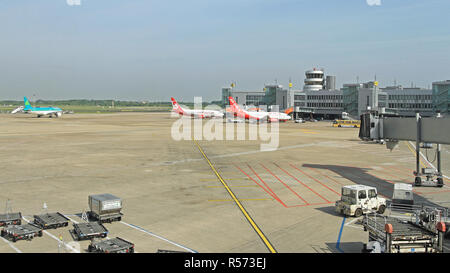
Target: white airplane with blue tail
x=41 y=111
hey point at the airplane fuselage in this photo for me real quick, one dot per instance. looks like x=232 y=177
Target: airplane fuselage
x=45 y=111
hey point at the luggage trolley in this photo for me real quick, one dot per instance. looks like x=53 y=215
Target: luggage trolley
x=51 y=220
x=22 y=232
x=116 y=245
x=7 y=219
x=87 y=231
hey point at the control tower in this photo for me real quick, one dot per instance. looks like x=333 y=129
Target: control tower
x=314 y=80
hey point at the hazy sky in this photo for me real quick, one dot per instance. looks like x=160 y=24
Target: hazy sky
x=142 y=49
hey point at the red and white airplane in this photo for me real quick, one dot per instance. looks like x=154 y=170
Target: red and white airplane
x=195 y=113
x=259 y=116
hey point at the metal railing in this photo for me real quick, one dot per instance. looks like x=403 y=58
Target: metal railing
x=423 y=215
x=376 y=222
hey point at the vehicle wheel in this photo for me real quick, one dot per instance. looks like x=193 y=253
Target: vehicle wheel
x=14 y=239
x=381 y=209
x=3 y=233
x=418 y=182
x=358 y=212
x=364 y=249
x=440 y=182
x=339 y=125
x=40 y=233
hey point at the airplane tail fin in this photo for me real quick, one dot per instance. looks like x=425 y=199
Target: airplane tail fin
x=289 y=110
x=233 y=105
x=26 y=103
x=175 y=106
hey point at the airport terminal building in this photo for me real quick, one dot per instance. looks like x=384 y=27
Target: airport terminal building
x=320 y=98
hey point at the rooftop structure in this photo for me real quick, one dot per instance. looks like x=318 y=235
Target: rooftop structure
x=353 y=98
x=314 y=80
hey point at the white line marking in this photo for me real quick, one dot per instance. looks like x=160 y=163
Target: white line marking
x=71 y=219
x=11 y=245
x=427 y=160
x=157 y=236
x=352 y=226
x=52 y=236
x=77 y=223
x=352 y=221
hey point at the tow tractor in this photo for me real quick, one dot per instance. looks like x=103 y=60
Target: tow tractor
x=357 y=200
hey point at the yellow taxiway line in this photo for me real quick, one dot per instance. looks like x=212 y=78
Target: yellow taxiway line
x=247 y=199
x=238 y=186
x=414 y=153
x=238 y=203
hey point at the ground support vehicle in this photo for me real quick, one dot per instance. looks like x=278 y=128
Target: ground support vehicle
x=115 y=245
x=51 y=220
x=87 y=231
x=105 y=208
x=7 y=219
x=21 y=232
x=357 y=200
x=393 y=235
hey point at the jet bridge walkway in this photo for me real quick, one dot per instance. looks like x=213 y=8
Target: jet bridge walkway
x=426 y=131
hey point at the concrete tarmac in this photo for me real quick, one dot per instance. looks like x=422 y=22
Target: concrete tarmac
x=173 y=198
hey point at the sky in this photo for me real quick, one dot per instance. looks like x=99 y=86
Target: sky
x=154 y=49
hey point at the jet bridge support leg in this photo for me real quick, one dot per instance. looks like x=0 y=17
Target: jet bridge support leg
x=422 y=130
x=418 y=179
x=440 y=179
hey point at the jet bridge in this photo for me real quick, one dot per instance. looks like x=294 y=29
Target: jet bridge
x=424 y=131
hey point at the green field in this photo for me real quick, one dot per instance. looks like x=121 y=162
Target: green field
x=96 y=106
x=98 y=109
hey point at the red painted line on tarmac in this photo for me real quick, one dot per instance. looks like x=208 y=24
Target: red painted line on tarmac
x=434 y=192
x=389 y=181
x=391 y=174
x=405 y=170
x=326 y=200
x=311 y=204
x=332 y=179
x=285 y=184
x=411 y=171
x=315 y=179
x=274 y=196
